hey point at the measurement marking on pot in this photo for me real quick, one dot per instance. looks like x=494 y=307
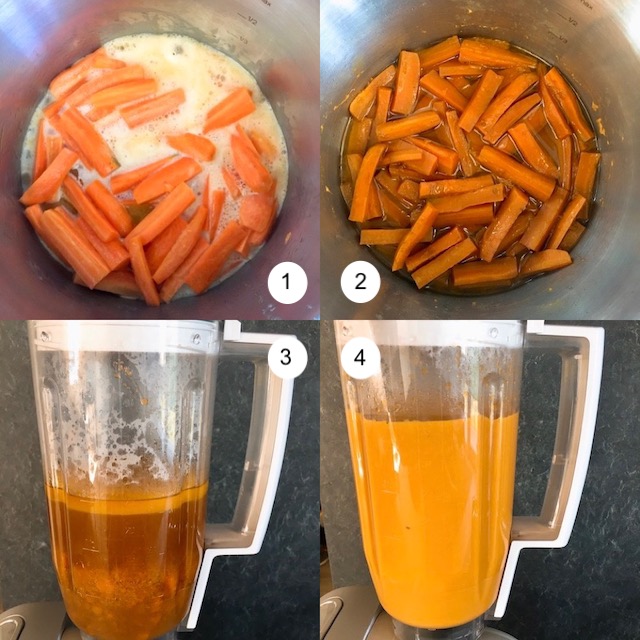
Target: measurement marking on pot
x=266 y=2
x=572 y=21
x=558 y=37
x=586 y=4
x=249 y=19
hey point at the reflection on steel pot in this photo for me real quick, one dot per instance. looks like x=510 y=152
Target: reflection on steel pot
x=276 y=42
x=597 y=45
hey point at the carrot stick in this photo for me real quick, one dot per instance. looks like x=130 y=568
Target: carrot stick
x=553 y=113
x=112 y=208
x=455 y=69
x=59 y=233
x=400 y=172
x=508 y=213
x=104 y=81
x=490 y=55
x=216 y=203
x=363 y=182
x=249 y=167
x=354 y=160
x=566 y=162
x=532 y=151
x=572 y=236
x=460 y=144
x=392 y=210
x=482 y=96
x=361 y=104
x=86 y=137
x=45 y=187
x=40 y=155
x=569 y=104
x=414 y=236
x=374 y=205
x=476 y=273
x=443 y=89
x=172 y=285
x=382 y=236
x=210 y=263
x=163 y=215
x=264 y=146
x=142 y=273
x=503 y=165
x=586 y=173
x=403 y=155
x=142 y=112
x=535 y=119
x=53 y=145
x=407 y=78
x=512 y=116
x=408 y=126
x=480 y=214
x=506 y=145
x=120 y=283
x=358 y=136
x=447 y=158
x=190 y=144
x=515 y=232
x=540 y=226
x=565 y=221
x=109 y=98
x=183 y=246
x=87 y=210
x=33 y=213
x=409 y=190
x=434 y=55
x=459 y=201
x=166 y=179
x=547 y=260
x=238 y=104
x=159 y=247
x=383 y=104
x=125 y=181
x=425 y=166
x=499 y=105
x=113 y=252
x=445 y=261
x=255 y=211
x=438 y=246
x=451 y=187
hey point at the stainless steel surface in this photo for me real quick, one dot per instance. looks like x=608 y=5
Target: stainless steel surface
x=596 y=43
x=39 y=621
x=276 y=41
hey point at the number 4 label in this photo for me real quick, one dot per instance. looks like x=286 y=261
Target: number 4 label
x=360 y=281
x=360 y=358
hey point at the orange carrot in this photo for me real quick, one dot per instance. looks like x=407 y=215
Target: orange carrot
x=540 y=226
x=508 y=213
x=363 y=183
x=113 y=209
x=255 y=211
x=120 y=94
x=383 y=104
x=488 y=54
x=438 y=246
x=45 y=187
x=477 y=273
x=515 y=232
x=124 y=181
x=425 y=166
x=565 y=221
x=403 y=155
x=479 y=214
x=113 y=252
x=407 y=78
x=156 y=251
x=142 y=273
x=121 y=283
x=104 y=81
x=264 y=146
x=485 y=91
x=163 y=215
x=142 y=112
x=450 y=187
x=442 y=263
x=566 y=162
x=172 y=285
x=238 y=104
x=354 y=161
x=532 y=151
x=393 y=210
x=34 y=214
x=586 y=173
x=210 y=263
x=455 y=69
x=87 y=210
x=231 y=182
x=166 y=179
x=382 y=236
x=183 y=246
x=257 y=238
x=215 y=206
x=547 y=260
x=442 y=88
x=361 y=104
x=409 y=190
x=460 y=144
x=503 y=165
x=415 y=235
x=569 y=104
x=434 y=55
x=408 y=126
x=553 y=114
x=40 y=155
x=53 y=145
x=190 y=144
x=572 y=236
x=447 y=158
x=512 y=116
x=249 y=167
x=459 y=201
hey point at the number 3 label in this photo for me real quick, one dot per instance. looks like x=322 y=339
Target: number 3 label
x=360 y=281
x=360 y=358
x=287 y=358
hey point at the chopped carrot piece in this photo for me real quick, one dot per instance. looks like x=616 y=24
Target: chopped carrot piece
x=120 y=94
x=447 y=158
x=354 y=161
x=45 y=187
x=40 y=155
x=442 y=263
x=261 y=142
x=172 y=285
x=363 y=182
x=256 y=238
x=112 y=208
x=104 y=81
x=565 y=221
x=485 y=91
x=361 y=104
x=438 y=53
x=382 y=236
x=407 y=79
x=438 y=246
x=383 y=104
x=113 y=252
x=553 y=113
x=121 y=283
x=547 y=260
x=540 y=226
x=415 y=235
x=140 y=113
x=255 y=211
x=512 y=116
x=358 y=137
x=393 y=210
x=455 y=69
x=586 y=173
x=215 y=206
x=479 y=214
x=34 y=214
x=142 y=273
x=566 y=162
x=442 y=88
x=515 y=232
x=249 y=167
x=190 y=144
x=460 y=144
x=450 y=187
x=166 y=179
x=425 y=166
x=53 y=145
x=532 y=151
x=572 y=236
x=238 y=104
x=488 y=54
x=160 y=246
x=231 y=182
x=125 y=181
x=374 y=204
x=87 y=210
x=459 y=201
x=409 y=190
x=403 y=155
x=408 y=126
x=569 y=104
x=478 y=273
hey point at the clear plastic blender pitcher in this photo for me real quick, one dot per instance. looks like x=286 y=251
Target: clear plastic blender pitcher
x=125 y=419
x=433 y=438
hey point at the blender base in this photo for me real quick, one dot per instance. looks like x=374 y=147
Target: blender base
x=354 y=613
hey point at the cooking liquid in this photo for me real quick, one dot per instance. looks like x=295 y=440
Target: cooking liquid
x=435 y=502
x=127 y=568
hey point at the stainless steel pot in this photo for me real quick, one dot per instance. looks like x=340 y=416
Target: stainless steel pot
x=596 y=43
x=277 y=40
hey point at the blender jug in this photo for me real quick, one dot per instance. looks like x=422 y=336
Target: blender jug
x=433 y=438
x=125 y=420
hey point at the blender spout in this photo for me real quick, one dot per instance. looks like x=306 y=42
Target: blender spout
x=469 y=631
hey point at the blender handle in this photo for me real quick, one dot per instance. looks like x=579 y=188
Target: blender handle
x=270 y=413
x=581 y=350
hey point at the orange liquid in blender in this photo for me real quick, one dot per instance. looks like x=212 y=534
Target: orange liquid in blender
x=127 y=567
x=435 y=501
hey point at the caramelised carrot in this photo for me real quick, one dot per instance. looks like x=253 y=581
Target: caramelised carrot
x=120 y=283
x=354 y=160
x=163 y=215
x=565 y=154
x=104 y=81
x=142 y=112
x=415 y=235
x=442 y=263
x=374 y=205
x=362 y=103
x=231 y=182
x=511 y=117
x=210 y=263
x=460 y=144
x=435 y=248
x=547 y=260
x=442 y=88
x=113 y=252
x=142 y=273
x=166 y=179
x=459 y=201
x=215 y=205
x=572 y=236
x=565 y=221
x=363 y=182
x=552 y=112
x=40 y=154
x=383 y=104
x=438 y=53
x=450 y=187
x=532 y=151
x=190 y=144
x=408 y=126
x=406 y=86
x=478 y=273
x=482 y=52
x=485 y=90
x=586 y=173
x=382 y=236
x=479 y=214
x=113 y=209
x=45 y=187
x=124 y=181
x=447 y=158
x=159 y=247
x=238 y=104
x=541 y=224
x=454 y=69
x=87 y=210
x=425 y=165
x=249 y=166
x=409 y=190
x=403 y=155
x=360 y=132
x=115 y=96
x=503 y=165
x=515 y=232
x=569 y=104
x=183 y=246
x=395 y=214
